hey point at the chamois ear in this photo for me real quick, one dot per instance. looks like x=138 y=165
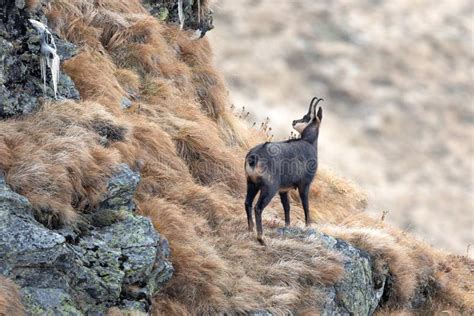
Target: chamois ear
x=320 y=114
x=313 y=107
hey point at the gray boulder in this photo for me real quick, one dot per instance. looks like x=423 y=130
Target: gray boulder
x=120 y=263
x=361 y=289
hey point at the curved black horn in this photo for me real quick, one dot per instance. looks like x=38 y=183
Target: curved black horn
x=312 y=101
x=317 y=102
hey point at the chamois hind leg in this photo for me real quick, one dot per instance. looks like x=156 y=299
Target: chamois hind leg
x=252 y=190
x=266 y=195
x=304 y=196
x=286 y=207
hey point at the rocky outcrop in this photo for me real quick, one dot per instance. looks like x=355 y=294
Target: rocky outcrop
x=119 y=261
x=21 y=83
x=361 y=289
x=196 y=14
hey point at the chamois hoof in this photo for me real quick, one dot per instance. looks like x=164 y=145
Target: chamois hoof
x=261 y=241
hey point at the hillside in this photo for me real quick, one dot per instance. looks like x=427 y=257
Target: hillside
x=153 y=139
x=397 y=79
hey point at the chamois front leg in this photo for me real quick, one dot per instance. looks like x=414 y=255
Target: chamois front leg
x=286 y=207
x=252 y=191
x=266 y=195
x=304 y=196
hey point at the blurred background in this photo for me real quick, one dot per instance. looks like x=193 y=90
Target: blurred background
x=398 y=80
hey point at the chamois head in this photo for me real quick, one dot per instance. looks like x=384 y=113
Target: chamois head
x=310 y=117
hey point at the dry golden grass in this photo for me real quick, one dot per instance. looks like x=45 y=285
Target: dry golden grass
x=32 y=4
x=10 y=300
x=445 y=281
x=56 y=161
x=188 y=146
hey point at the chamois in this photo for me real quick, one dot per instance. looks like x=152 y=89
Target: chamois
x=281 y=166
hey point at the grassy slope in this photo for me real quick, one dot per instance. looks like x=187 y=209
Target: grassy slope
x=189 y=148
x=395 y=76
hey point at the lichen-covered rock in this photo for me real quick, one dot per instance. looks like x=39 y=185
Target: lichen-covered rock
x=21 y=83
x=120 y=190
x=360 y=290
x=121 y=263
x=49 y=302
x=117 y=202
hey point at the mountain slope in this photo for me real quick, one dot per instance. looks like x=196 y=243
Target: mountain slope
x=181 y=135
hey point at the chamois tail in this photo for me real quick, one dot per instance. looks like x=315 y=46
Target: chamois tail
x=252 y=160
x=251 y=167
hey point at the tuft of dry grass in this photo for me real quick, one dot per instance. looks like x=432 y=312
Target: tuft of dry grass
x=57 y=162
x=32 y=4
x=10 y=299
x=189 y=147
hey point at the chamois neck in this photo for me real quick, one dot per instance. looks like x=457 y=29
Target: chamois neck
x=310 y=134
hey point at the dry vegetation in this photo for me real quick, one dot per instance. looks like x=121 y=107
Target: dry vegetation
x=10 y=301
x=399 y=112
x=189 y=147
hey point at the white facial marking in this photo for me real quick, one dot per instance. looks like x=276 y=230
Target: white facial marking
x=300 y=127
